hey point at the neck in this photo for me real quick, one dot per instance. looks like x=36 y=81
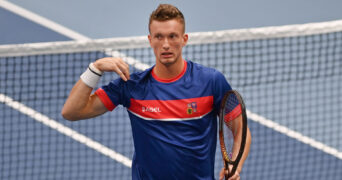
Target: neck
x=169 y=71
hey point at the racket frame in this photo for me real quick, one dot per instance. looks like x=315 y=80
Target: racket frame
x=226 y=160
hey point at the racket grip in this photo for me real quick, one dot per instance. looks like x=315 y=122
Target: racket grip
x=226 y=172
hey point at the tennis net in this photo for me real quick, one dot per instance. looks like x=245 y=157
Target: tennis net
x=290 y=78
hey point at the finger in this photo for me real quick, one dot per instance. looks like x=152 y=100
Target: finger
x=221 y=174
x=124 y=68
x=120 y=73
x=124 y=62
x=236 y=176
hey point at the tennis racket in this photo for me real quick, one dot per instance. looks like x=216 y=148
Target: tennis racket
x=232 y=126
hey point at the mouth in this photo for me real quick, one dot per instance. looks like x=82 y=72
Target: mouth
x=166 y=54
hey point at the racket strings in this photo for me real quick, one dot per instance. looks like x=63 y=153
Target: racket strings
x=232 y=111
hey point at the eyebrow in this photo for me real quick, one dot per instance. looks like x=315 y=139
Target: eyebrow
x=171 y=33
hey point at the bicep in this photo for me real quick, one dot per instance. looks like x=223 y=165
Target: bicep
x=94 y=107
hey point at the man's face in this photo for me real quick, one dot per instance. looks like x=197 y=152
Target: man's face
x=167 y=39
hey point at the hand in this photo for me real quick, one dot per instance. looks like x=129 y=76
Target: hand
x=224 y=173
x=112 y=64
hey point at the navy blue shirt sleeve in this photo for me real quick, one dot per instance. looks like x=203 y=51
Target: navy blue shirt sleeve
x=114 y=94
x=221 y=86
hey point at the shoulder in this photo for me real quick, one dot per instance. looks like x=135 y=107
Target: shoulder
x=135 y=78
x=138 y=76
x=208 y=72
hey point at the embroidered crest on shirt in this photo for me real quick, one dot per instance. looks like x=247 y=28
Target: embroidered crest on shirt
x=192 y=107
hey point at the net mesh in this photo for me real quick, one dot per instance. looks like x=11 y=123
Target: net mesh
x=290 y=79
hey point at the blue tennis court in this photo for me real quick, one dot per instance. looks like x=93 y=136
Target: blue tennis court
x=294 y=108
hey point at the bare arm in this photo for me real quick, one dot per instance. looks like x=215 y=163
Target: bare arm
x=81 y=104
x=238 y=139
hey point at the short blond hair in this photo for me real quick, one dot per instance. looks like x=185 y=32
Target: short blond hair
x=166 y=12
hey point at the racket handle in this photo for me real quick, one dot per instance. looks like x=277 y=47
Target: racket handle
x=226 y=170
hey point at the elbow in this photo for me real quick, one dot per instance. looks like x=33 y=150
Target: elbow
x=68 y=115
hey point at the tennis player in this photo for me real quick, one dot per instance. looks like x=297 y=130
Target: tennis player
x=173 y=106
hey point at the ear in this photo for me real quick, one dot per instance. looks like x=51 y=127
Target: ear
x=149 y=38
x=185 y=39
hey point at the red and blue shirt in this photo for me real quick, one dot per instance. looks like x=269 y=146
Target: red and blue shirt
x=174 y=121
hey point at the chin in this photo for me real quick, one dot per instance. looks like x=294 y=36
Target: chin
x=167 y=62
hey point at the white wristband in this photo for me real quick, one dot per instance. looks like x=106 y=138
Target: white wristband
x=91 y=76
x=94 y=69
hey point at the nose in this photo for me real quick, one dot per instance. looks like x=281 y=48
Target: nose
x=166 y=44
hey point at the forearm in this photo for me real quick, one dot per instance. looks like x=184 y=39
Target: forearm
x=80 y=104
x=246 y=151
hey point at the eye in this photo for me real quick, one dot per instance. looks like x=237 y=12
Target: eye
x=158 y=36
x=173 y=36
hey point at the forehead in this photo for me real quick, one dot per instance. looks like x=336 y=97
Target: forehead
x=166 y=27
